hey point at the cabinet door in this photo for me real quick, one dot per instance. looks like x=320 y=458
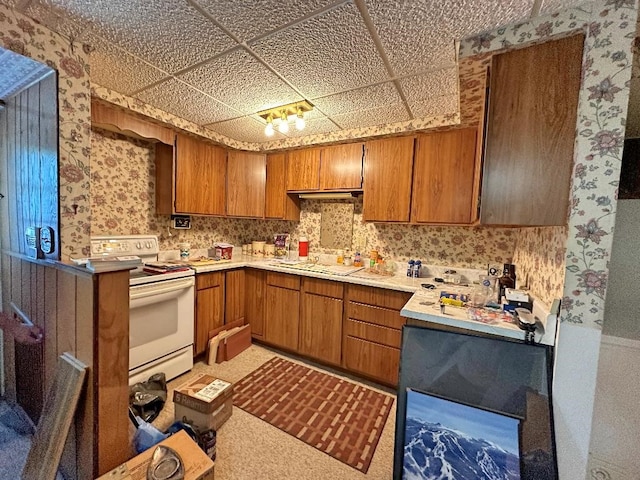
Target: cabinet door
x=282 y=317
x=246 y=178
x=444 y=173
x=388 y=166
x=530 y=134
x=277 y=203
x=234 y=293
x=303 y=170
x=209 y=315
x=341 y=167
x=255 y=288
x=200 y=177
x=321 y=328
x=372 y=359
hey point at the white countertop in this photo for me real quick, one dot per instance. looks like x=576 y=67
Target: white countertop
x=423 y=305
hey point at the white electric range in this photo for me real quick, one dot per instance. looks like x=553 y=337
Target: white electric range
x=161 y=310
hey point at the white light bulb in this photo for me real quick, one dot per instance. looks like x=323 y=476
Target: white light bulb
x=284 y=124
x=300 y=123
x=268 y=130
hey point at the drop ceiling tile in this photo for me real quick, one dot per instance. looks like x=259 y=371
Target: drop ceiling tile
x=431 y=85
x=420 y=35
x=248 y=20
x=244 y=129
x=314 y=126
x=50 y=19
x=551 y=6
x=241 y=82
x=374 y=116
x=115 y=69
x=360 y=99
x=435 y=106
x=169 y=34
x=183 y=101
x=326 y=54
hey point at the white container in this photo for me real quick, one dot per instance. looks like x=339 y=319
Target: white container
x=257 y=249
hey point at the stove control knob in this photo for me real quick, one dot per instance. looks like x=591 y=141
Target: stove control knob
x=138 y=245
x=148 y=244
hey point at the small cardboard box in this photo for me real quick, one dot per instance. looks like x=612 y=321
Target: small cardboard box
x=205 y=421
x=197 y=465
x=205 y=400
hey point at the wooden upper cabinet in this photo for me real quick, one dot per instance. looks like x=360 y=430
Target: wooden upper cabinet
x=115 y=119
x=444 y=174
x=246 y=180
x=341 y=167
x=303 y=169
x=277 y=203
x=199 y=177
x=531 y=126
x=388 y=166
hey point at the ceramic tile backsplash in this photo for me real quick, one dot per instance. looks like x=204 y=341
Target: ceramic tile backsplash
x=123 y=176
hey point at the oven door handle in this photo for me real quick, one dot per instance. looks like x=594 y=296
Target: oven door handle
x=146 y=294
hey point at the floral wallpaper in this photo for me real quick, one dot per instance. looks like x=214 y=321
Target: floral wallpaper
x=26 y=37
x=610 y=27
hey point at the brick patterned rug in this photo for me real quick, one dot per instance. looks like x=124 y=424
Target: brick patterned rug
x=335 y=416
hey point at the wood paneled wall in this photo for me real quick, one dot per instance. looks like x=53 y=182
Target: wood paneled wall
x=29 y=175
x=87 y=316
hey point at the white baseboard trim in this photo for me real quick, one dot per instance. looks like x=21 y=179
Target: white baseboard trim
x=620 y=342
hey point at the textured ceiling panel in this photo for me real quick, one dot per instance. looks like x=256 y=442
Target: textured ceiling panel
x=248 y=20
x=360 y=99
x=19 y=72
x=166 y=33
x=245 y=129
x=432 y=107
x=115 y=69
x=326 y=54
x=374 y=116
x=549 y=6
x=52 y=20
x=240 y=81
x=183 y=101
x=417 y=34
x=314 y=126
x=434 y=84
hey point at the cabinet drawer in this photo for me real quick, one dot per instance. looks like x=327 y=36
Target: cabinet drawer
x=283 y=280
x=376 y=315
x=378 y=296
x=372 y=360
x=365 y=331
x=326 y=288
x=208 y=280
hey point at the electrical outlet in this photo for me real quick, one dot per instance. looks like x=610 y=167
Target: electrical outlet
x=599 y=469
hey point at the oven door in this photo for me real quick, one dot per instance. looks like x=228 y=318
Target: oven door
x=161 y=318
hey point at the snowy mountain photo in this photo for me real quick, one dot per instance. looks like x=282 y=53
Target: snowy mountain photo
x=445 y=440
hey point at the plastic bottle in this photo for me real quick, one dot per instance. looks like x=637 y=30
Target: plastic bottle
x=357 y=260
x=416 y=268
x=410 y=268
x=340 y=258
x=303 y=248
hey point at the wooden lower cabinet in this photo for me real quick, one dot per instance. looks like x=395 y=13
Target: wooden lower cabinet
x=321 y=322
x=255 y=287
x=234 y=296
x=210 y=304
x=372 y=332
x=282 y=316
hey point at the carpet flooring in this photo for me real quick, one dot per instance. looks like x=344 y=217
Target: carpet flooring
x=340 y=418
x=251 y=449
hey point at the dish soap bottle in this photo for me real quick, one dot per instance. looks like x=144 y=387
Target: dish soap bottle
x=357 y=259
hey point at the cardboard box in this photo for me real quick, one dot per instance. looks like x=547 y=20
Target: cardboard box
x=204 y=401
x=197 y=465
x=204 y=421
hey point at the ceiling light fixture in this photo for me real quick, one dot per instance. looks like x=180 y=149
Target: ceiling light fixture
x=284 y=122
x=281 y=116
x=268 y=130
